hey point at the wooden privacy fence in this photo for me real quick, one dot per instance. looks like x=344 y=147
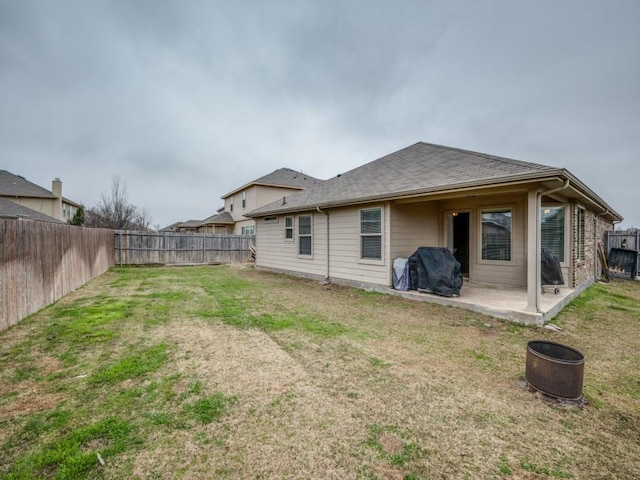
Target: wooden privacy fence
x=40 y=262
x=145 y=248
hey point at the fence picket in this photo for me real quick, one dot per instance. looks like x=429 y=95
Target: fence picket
x=151 y=248
x=41 y=262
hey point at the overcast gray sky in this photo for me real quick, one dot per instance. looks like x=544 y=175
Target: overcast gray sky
x=186 y=100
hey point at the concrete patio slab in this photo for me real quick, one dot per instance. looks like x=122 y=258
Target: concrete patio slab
x=504 y=302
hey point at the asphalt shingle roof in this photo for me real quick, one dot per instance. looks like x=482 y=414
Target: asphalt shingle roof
x=15 y=186
x=422 y=167
x=224 y=217
x=283 y=177
x=12 y=210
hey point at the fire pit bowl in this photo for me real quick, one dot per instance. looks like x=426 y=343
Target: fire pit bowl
x=555 y=369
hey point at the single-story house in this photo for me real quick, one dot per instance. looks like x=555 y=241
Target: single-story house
x=221 y=222
x=496 y=214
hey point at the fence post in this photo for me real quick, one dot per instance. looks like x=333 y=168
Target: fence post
x=637 y=254
x=120 y=242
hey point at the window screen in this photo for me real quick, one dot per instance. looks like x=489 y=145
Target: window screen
x=304 y=235
x=288 y=228
x=371 y=234
x=496 y=234
x=552 y=230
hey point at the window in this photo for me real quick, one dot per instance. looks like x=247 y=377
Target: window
x=288 y=228
x=371 y=234
x=270 y=219
x=304 y=235
x=496 y=234
x=580 y=234
x=552 y=230
x=248 y=230
x=231 y=204
x=244 y=200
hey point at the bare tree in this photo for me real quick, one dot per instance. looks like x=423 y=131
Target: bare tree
x=143 y=219
x=114 y=211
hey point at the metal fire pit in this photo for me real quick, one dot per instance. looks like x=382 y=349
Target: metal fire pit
x=555 y=369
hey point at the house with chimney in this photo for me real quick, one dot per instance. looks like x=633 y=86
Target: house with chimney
x=22 y=197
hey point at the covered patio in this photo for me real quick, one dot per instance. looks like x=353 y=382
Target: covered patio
x=509 y=303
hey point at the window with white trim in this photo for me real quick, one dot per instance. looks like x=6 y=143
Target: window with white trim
x=288 y=228
x=552 y=230
x=304 y=235
x=244 y=200
x=496 y=234
x=371 y=234
x=580 y=234
x=251 y=230
x=231 y=204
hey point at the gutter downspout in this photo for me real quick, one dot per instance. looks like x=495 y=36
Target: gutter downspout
x=327 y=276
x=538 y=266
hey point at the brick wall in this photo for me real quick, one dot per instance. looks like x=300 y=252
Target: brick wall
x=594 y=231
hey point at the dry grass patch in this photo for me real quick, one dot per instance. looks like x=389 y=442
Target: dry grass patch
x=226 y=372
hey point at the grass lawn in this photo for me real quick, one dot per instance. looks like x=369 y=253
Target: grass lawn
x=226 y=372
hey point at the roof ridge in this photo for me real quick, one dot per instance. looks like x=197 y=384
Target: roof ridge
x=487 y=155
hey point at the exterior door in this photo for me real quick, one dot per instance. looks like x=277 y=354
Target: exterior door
x=458 y=238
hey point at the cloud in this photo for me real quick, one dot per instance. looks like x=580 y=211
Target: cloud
x=187 y=101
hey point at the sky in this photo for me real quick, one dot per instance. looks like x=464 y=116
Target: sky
x=187 y=100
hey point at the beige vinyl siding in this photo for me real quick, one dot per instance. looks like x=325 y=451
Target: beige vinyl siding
x=237 y=228
x=407 y=226
x=345 y=247
x=265 y=195
x=276 y=253
x=251 y=202
x=513 y=273
x=42 y=205
x=256 y=197
x=413 y=225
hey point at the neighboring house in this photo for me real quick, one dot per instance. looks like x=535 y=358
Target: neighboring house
x=170 y=228
x=220 y=222
x=190 y=226
x=494 y=213
x=9 y=209
x=231 y=219
x=19 y=190
x=262 y=191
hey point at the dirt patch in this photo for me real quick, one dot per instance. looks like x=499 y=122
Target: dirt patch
x=31 y=398
x=404 y=390
x=390 y=442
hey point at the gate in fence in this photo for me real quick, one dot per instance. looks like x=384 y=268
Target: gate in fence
x=151 y=248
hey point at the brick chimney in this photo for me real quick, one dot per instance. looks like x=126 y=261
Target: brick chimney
x=56 y=189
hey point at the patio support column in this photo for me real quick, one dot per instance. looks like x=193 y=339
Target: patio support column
x=533 y=251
